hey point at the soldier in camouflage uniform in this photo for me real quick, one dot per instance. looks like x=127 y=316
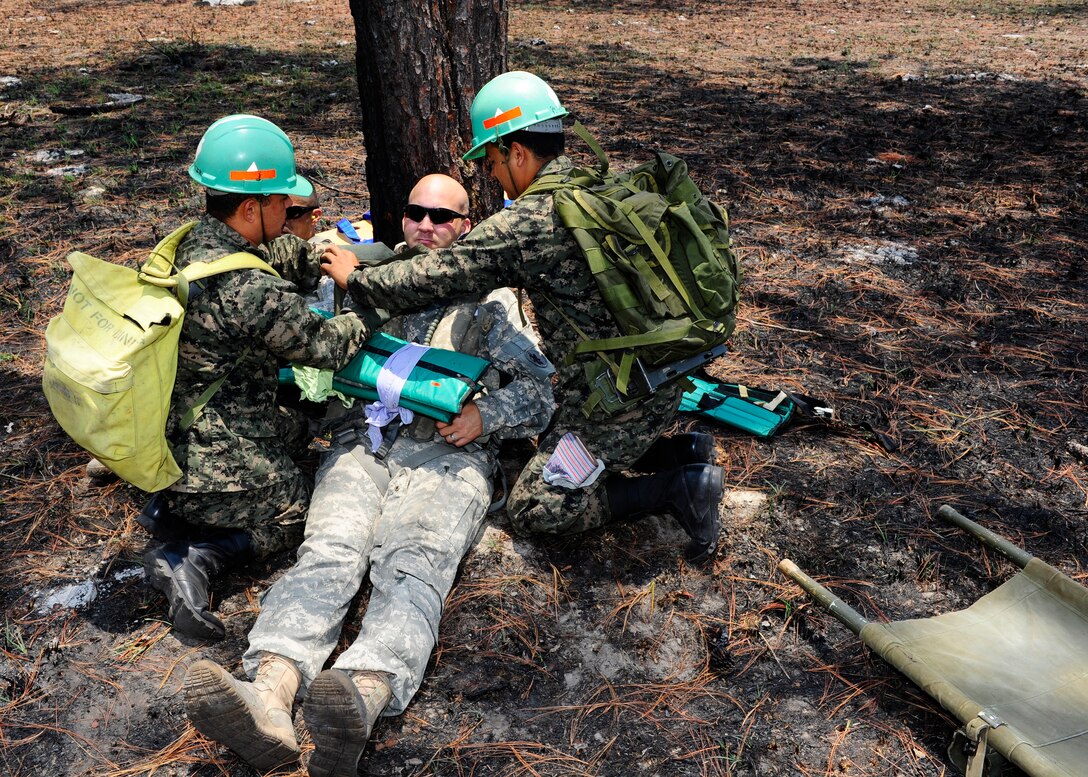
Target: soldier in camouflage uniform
x=303 y=216
x=410 y=516
x=518 y=132
x=241 y=496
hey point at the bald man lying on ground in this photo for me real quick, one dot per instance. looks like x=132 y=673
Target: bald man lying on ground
x=410 y=516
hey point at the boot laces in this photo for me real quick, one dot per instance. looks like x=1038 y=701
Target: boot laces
x=374 y=688
x=277 y=682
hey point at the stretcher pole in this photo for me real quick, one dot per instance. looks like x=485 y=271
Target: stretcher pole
x=1013 y=553
x=850 y=617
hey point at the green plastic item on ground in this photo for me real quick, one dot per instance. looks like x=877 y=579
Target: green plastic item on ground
x=752 y=410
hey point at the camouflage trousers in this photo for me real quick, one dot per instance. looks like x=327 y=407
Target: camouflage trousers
x=273 y=516
x=535 y=507
x=412 y=535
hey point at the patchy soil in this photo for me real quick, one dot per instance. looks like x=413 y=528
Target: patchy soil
x=907 y=188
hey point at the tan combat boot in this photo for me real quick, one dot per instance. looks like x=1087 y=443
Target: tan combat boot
x=252 y=719
x=340 y=711
x=96 y=470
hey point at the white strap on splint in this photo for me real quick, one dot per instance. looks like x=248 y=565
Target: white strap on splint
x=390 y=383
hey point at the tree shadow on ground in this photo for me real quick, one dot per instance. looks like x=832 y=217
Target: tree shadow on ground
x=144 y=150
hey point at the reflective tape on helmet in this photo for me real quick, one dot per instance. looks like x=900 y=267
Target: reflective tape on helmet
x=252 y=175
x=502 y=118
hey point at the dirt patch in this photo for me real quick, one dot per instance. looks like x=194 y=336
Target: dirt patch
x=907 y=191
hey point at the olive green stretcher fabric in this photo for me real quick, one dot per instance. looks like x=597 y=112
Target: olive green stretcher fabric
x=1020 y=652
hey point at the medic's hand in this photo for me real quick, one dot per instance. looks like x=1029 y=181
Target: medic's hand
x=338 y=263
x=464 y=427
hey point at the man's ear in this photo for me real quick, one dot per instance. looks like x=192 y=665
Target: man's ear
x=517 y=153
x=315 y=214
x=466 y=225
x=248 y=209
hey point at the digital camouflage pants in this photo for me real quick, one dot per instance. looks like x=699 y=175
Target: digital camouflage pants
x=535 y=507
x=412 y=537
x=273 y=517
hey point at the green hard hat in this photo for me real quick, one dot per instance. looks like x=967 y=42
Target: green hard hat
x=510 y=102
x=244 y=154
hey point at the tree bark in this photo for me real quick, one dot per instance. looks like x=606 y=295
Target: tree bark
x=419 y=65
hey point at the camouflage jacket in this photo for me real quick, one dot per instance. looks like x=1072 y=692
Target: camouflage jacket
x=524 y=246
x=516 y=401
x=242 y=325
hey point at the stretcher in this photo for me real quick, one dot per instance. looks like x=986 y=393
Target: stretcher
x=1012 y=667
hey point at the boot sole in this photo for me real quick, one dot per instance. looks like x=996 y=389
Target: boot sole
x=219 y=712
x=697 y=552
x=336 y=720
x=185 y=618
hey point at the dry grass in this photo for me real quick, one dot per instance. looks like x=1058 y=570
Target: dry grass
x=955 y=322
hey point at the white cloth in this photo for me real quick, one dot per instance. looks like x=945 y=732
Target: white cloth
x=572 y=465
x=391 y=379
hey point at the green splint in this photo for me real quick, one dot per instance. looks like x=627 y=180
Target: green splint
x=437 y=387
x=755 y=411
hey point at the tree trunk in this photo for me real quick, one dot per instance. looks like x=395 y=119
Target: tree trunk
x=419 y=65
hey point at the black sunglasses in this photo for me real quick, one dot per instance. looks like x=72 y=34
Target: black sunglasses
x=294 y=211
x=438 y=215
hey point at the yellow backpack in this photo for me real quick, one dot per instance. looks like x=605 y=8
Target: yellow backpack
x=112 y=354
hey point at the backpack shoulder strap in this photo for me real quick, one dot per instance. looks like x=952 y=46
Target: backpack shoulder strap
x=237 y=261
x=198 y=271
x=159 y=267
x=595 y=147
x=188 y=418
x=160 y=270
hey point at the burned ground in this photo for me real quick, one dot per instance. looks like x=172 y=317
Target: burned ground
x=906 y=185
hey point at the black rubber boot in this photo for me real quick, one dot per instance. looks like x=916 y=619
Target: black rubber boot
x=160 y=522
x=690 y=493
x=182 y=572
x=669 y=453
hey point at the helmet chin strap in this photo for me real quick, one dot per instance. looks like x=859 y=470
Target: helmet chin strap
x=505 y=150
x=260 y=203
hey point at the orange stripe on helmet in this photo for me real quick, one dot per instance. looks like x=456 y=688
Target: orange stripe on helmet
x=505 y=116
x=252 y=175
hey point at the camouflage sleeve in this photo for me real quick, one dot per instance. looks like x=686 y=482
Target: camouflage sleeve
x=296 y=261
x=523 y=407
x=491 y=256
x=282 y=321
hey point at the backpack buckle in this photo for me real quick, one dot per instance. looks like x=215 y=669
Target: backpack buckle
x=346 y=437
x=670 y=372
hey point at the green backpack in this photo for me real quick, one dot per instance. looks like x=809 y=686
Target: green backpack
x=662 y=257
x=112 y=356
